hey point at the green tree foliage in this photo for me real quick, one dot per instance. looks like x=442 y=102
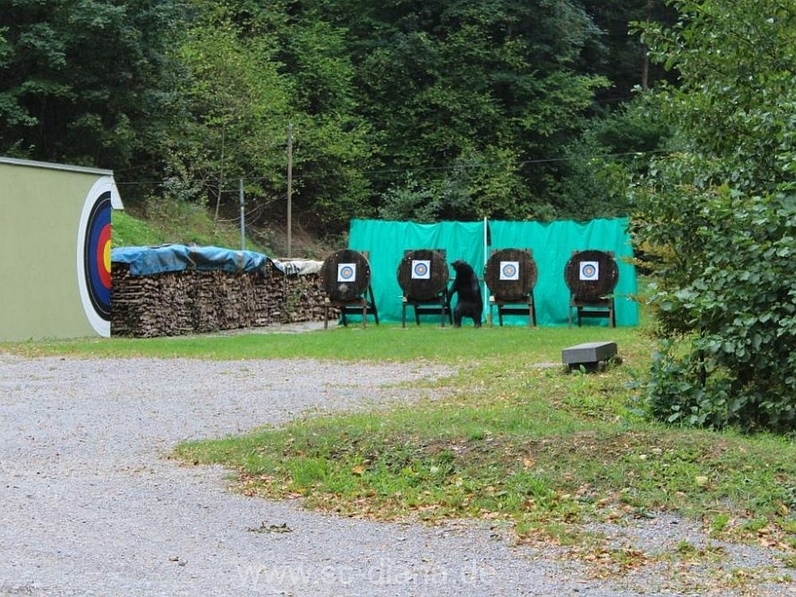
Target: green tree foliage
x=478 y=105
x=719 y=215
x=624 y=59
x=236 y=103
x=472 y=98
x=623 y=130
x=332 y=140
x=256 y=76
x=612 y=149
x=83 y=81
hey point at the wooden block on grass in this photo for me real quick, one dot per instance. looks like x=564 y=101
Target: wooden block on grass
x=589 y=354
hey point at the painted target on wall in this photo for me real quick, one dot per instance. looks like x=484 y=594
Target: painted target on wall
x=94 y=254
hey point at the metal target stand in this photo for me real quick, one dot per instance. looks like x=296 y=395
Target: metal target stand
x=363 y=306
x=425 y=296
x=514 y=308
x=436 y=306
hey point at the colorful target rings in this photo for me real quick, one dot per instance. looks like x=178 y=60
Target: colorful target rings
x=588 y=271
x=421 y=269
x=509 y=271
x=94 y=254
x=346 y=273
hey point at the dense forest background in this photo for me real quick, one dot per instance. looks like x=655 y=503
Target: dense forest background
x=399 y=109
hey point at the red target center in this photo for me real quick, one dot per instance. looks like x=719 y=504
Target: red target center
x=103 y=256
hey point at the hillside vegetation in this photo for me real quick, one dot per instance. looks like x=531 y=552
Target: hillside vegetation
x=177 y=222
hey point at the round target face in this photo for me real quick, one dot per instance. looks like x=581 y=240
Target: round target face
x=94 y=255
x=589 y=270
x=346 y=272
x=509 y=270
x=421 y=269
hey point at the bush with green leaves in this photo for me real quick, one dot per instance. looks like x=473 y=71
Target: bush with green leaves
x=737 y=322
x=718 y=215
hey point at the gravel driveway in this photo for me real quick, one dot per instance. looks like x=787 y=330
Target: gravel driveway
x=91 y=506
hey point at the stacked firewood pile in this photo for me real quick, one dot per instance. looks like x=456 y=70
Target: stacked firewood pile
x=194 y=302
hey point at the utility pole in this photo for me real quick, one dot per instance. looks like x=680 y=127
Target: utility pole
x=242 y=216
x=289 y=191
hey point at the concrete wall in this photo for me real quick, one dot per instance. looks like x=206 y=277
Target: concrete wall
x=54 y=250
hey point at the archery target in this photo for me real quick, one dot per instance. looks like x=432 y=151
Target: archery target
x=589 y=271
x=346 y=272
x=421 y=269
x=94 y=254
x=509 y=270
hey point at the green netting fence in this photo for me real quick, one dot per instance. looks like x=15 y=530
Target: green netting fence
x=552 y=245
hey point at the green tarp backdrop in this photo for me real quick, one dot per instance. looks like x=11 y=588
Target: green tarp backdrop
x=552 y=245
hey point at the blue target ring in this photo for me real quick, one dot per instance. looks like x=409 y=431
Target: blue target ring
x=421 y=269
x=96 y=255
x=509 y=271
x=588 y=271
x=346 y=273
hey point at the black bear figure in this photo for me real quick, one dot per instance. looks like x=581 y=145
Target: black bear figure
x=469 y=303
